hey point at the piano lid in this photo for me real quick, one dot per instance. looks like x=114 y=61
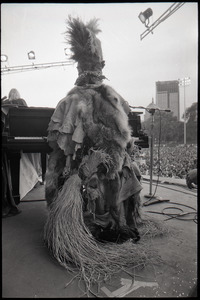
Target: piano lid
x=29 y=121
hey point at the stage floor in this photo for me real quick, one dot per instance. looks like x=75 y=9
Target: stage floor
x=29 y=271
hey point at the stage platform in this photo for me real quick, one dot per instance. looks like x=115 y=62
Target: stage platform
x=29 y=271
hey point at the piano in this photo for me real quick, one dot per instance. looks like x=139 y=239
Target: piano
x=25 y=130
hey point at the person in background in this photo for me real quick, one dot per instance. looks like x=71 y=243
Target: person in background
x=191 y=179
x=9 y=207
x=14 y=98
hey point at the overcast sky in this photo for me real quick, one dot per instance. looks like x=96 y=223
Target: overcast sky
x=132 y=65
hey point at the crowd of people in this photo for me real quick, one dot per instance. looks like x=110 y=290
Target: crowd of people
x=168 y=161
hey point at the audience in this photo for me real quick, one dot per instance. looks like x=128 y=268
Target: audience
x=175 y=161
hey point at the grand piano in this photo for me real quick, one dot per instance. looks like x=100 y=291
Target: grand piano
x=25 y=129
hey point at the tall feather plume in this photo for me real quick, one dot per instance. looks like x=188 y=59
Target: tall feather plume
x=83 y=40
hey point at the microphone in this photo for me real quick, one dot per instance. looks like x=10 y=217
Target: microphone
x=152 y=110
x=141 y=107
x=149 y=109
x=166 y=110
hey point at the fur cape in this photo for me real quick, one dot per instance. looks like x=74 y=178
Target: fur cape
x=98 y=113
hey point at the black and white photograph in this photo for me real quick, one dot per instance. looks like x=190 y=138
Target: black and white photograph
x=99 y=117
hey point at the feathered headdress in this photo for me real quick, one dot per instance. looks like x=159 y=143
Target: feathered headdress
x=86 y=49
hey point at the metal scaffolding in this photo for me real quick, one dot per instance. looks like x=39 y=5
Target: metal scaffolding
x=172 y=9
x=23 y=68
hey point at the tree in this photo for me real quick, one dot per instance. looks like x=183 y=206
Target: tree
x=167 y=128
x=191 y=112
x=191 y=123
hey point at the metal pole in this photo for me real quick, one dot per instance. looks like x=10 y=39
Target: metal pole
x=151 y=141
x=151 y=165
x=150 y=195
x=14 y=69
x=184 y=116
x=151 y=157
x=183 y=82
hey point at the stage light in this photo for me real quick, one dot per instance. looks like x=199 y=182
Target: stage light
x=144 y=16
x=67 y=52
x=4 y=58
x=184 y=82
x=31 y=55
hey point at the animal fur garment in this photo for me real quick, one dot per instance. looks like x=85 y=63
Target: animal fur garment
x=97 y=113
x=98 y=200
x=89 y=124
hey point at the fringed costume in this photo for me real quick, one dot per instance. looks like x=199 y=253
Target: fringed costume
x=92 y=185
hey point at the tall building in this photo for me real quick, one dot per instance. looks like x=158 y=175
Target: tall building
x=167 y=96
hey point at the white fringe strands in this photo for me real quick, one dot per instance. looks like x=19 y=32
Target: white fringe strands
x=74 y=247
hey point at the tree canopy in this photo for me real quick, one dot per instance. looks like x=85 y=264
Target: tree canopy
x=168 y=129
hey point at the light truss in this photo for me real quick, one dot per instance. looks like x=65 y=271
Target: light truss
x=172 y=9
x=23 y=68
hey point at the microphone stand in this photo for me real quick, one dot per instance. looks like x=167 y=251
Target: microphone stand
x=151 y=137
x=151 y=140
x=150 y=195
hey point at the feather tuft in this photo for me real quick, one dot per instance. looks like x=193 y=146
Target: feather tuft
x=83 y=41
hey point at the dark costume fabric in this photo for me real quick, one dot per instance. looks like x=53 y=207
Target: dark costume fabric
x=100 y=115
x=97 y=113
x=90 y=125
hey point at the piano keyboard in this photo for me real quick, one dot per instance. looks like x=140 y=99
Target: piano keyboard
x=30 y=138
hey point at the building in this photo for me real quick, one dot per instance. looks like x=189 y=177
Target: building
x=167 y=96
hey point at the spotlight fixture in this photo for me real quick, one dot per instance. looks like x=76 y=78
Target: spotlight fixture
x=144 y=16
x=31 y=55
x=67 y=52
x=4 y=58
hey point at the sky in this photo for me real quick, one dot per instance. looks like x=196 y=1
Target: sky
x=132 y=66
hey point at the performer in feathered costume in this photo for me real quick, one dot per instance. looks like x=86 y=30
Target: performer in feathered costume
x=90 y=137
